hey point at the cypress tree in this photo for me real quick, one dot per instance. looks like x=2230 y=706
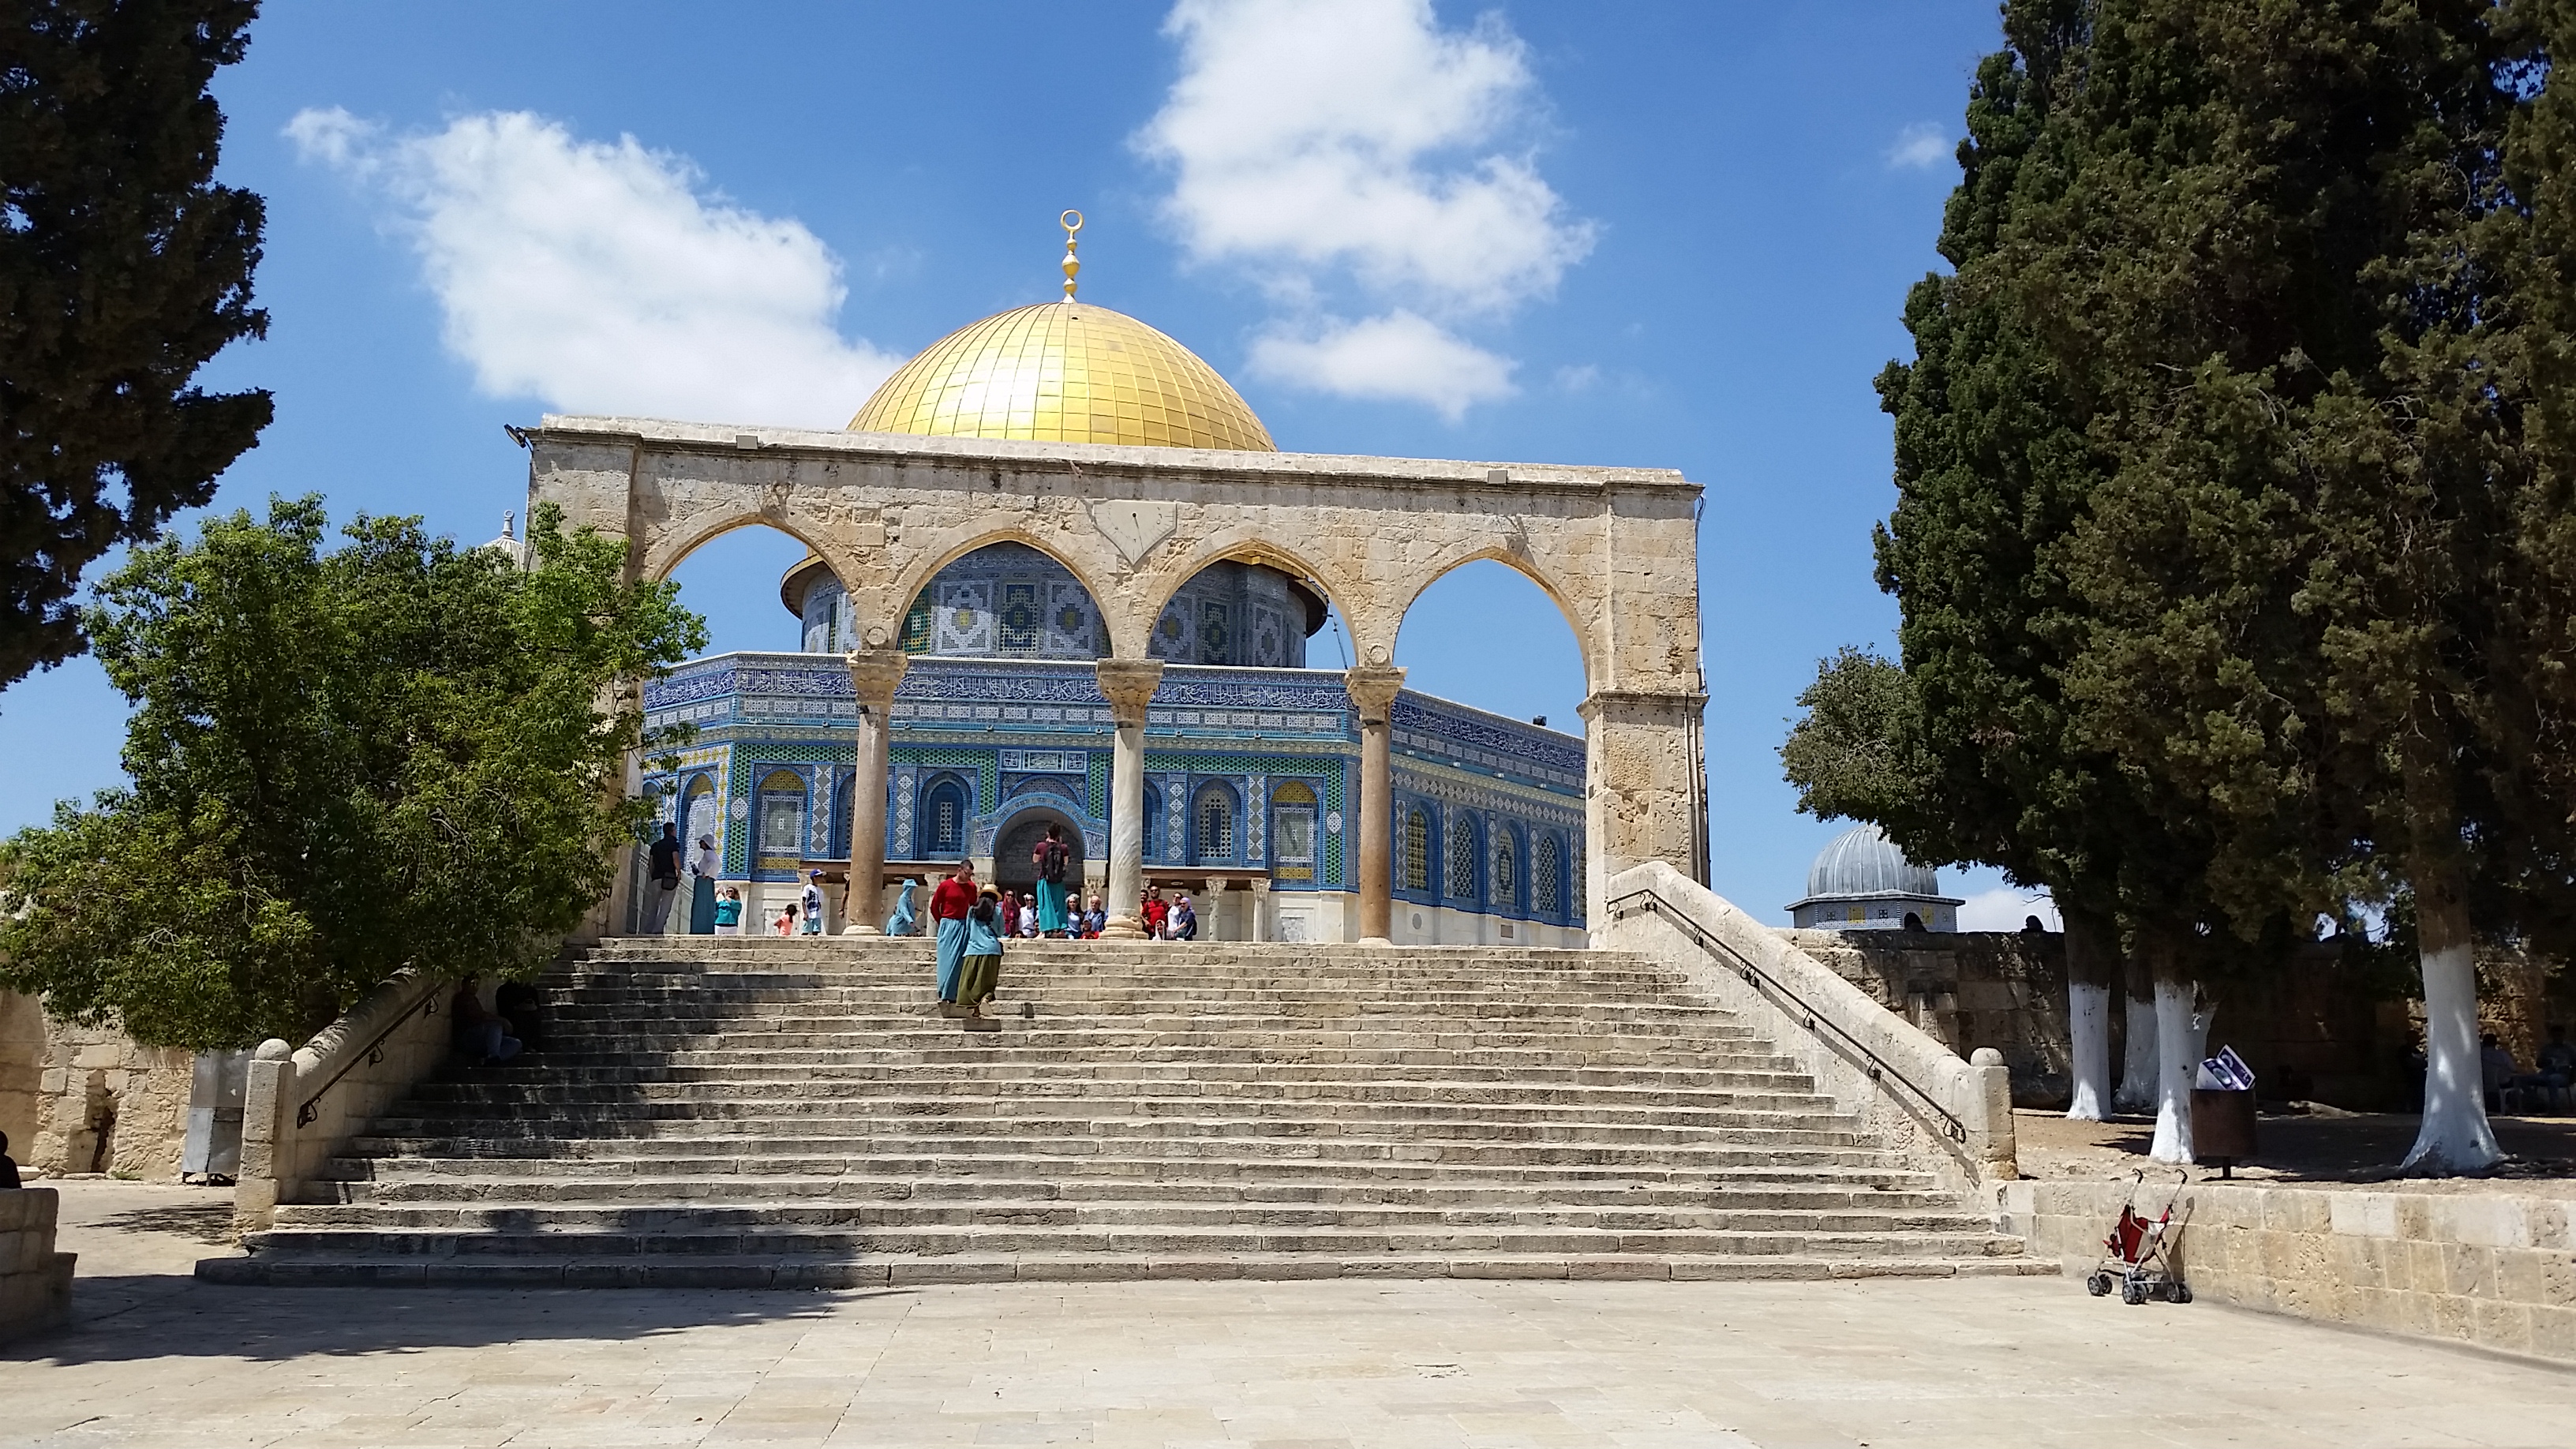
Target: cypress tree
x=123 y=269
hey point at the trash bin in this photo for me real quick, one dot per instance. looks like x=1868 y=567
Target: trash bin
x=2222 y=1127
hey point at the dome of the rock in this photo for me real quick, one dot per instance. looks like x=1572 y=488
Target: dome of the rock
x=1064 y=372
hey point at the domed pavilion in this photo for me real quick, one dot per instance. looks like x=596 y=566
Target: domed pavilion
x=1861 y=881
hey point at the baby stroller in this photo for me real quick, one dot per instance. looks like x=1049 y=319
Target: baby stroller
x=2138 y=1254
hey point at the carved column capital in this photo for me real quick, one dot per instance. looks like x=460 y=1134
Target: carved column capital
x=1372 y=689
x=1128 y=685
x=875 y=673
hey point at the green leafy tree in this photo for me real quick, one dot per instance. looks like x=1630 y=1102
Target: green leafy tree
x=123 y=269
x=396 y=753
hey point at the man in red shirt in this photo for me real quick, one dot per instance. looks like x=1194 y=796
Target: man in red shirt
x=948 y=907
x=1155 y=913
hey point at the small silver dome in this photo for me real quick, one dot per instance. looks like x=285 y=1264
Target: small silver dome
x=1862 y=861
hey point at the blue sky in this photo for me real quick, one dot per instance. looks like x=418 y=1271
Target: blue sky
x=1674 y=235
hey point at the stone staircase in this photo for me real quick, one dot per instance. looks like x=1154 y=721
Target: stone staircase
x=796 y=1114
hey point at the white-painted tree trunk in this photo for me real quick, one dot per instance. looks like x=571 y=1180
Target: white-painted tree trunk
x=2454 y=1136
x=2088 y=1020
x=2138 y=1062
x=2182 y=1029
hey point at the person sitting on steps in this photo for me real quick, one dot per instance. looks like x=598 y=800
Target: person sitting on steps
x=481 y=1034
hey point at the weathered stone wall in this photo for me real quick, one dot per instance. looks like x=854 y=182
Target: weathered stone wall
x=2491 y=1270
x=88 y=1099
x=35 y=1281
x=1967 y=989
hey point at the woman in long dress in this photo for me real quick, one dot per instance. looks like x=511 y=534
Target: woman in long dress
x=981 y=975
x=948 y=907
x=702 y=889
x=901 y=922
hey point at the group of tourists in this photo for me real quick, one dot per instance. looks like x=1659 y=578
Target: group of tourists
x=707 y=909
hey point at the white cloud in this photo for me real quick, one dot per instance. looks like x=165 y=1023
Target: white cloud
x=1923 y=145
x=1316 y=140
x=2004 y=909
x=1579 y=379
x=605 y=278
x=1399 y=357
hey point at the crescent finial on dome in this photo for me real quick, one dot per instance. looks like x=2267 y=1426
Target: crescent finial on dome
x=1071 y=221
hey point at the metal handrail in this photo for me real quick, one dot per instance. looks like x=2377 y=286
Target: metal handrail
x=373 y=1052
x=1877 y=1068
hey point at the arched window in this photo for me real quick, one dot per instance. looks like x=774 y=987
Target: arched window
x=1212 y=824
x=943 y=820
x=1458 y=865
x=782 y=821
x=1154 y=834
x=1506 y=888
x=700 y=814
x=1547 y=896
x=1292 y=832
x=1417 y=850
x=836 y=825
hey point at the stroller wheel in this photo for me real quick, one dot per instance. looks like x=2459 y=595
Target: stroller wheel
x=2098 y=1284
x=2177 y=1292
x=2133 y=1292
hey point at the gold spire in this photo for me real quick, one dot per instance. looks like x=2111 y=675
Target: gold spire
x=1071 y=221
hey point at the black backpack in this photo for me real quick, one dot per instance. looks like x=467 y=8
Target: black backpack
x=1052 y=858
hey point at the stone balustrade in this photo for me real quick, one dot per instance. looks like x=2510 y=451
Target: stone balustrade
x=303 y=1105
x=1950 y=1116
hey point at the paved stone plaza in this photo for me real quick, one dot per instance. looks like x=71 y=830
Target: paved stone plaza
x=157 y=1359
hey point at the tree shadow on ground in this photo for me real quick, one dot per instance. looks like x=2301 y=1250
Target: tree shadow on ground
x=205 y=1222
x=171 y=1317
x=2338 y=1147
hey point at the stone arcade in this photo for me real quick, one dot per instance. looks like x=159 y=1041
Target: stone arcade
x=1074 y=583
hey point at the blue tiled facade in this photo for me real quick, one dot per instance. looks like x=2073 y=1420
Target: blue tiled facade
x=1246 y=769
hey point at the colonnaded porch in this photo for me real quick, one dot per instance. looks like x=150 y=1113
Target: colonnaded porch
x=1615 y=548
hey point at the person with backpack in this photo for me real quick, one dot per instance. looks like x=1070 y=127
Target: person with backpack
x=1054 y=861
x=980 y=974
x=669 y=904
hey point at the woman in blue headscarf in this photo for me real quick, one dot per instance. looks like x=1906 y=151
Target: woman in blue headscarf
x=900 y=923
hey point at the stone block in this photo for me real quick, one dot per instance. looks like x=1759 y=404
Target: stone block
x=2363 y=1214
x=2553 y=1333
x=2505 y=1326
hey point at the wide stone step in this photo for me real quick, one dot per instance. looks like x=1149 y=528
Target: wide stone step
x=806 y=1272
x=699 y=1218
x=807 y=1153
x=1782 y=1193
x=1073 y=1072
x=1002 y=1050
x=1025 y=1238
x=597 y=1092
x=646 y=1162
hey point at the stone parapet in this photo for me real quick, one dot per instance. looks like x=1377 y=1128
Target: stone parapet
x=35 y=1281
x=1946 y=1115
x=2494 y=1270
x=302 y=1106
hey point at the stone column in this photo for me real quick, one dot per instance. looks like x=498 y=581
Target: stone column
x=874 y=673
x=1641 y=802
x=1260 y=923
x=1128 y=685
x=1372 y=690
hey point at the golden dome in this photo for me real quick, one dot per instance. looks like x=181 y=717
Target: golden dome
x=1064 y=372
